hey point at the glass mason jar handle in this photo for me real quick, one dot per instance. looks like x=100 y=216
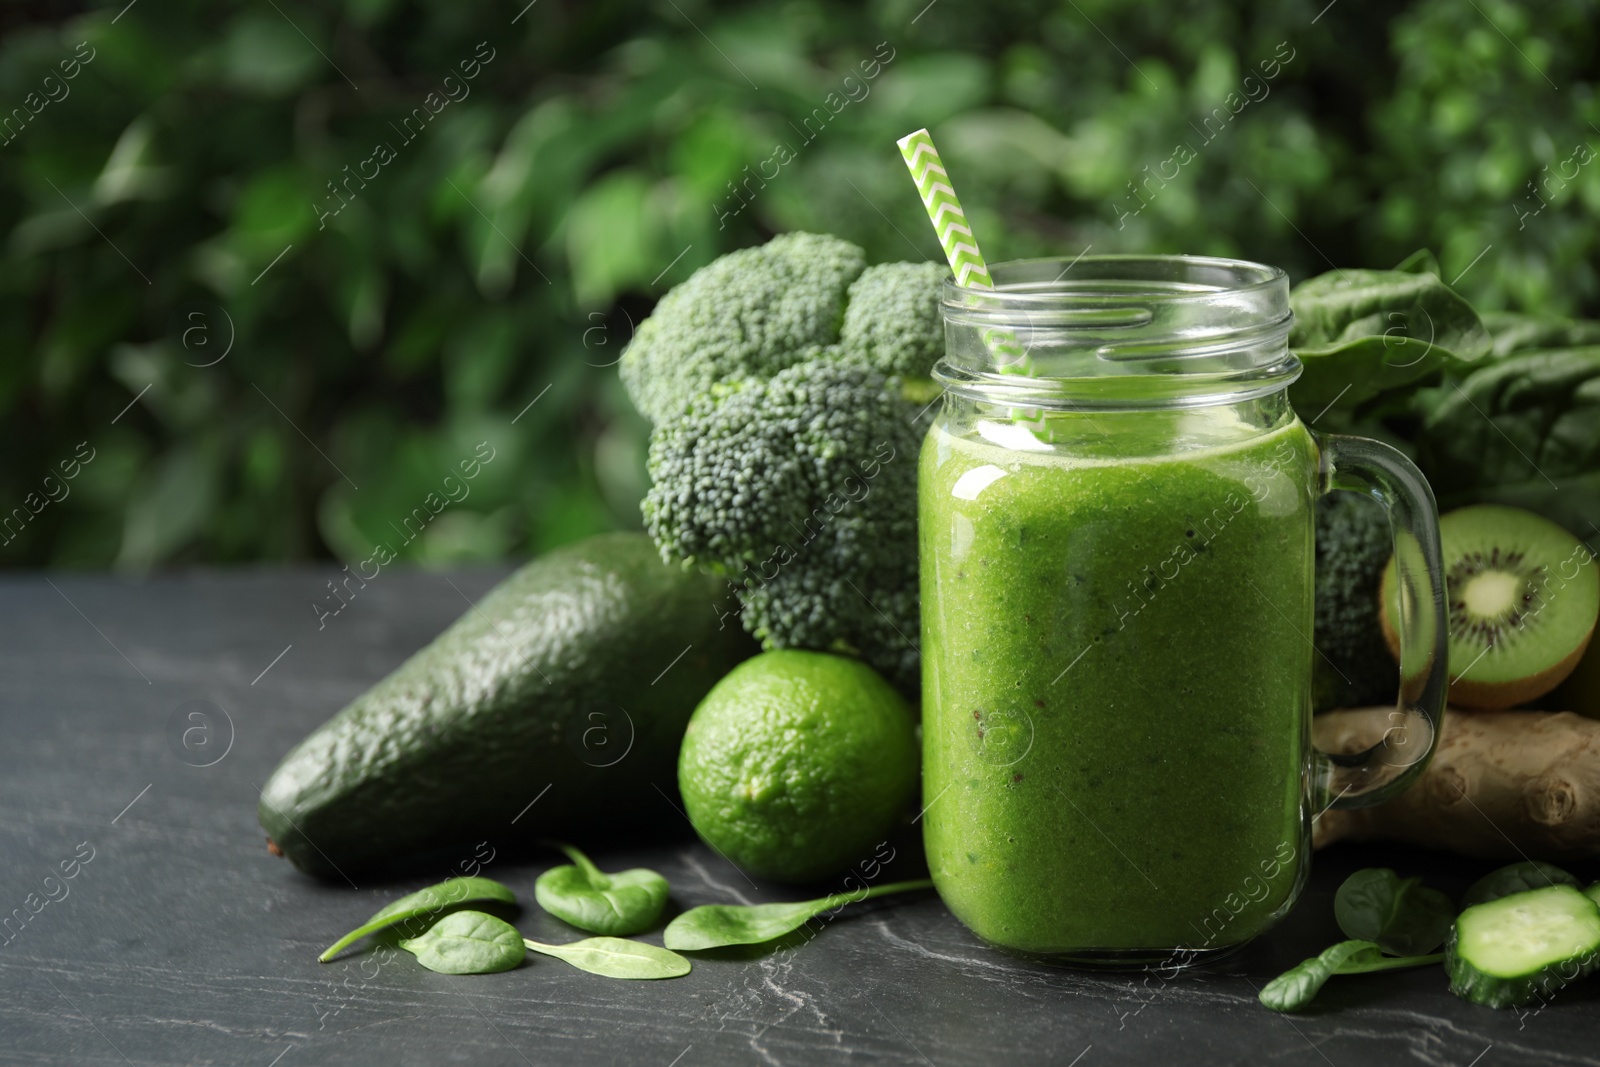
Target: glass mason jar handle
x=1361 y=779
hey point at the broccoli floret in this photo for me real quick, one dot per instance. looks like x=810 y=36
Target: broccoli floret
x=1353 y=547
x=893 y=321
x=802 y=490
x=785 y=448
x=751 y=312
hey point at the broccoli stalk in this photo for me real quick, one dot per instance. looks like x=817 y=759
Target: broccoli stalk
x=1354 y=667
x=787 y=384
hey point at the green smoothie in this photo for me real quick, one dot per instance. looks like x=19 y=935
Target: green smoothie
x=1115 y=638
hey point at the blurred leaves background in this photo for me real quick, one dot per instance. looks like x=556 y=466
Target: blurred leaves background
x=174 y=200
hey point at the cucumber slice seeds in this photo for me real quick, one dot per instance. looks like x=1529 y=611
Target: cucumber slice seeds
x=1512 y=950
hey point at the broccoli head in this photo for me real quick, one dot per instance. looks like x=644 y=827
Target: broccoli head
x=751 y=312
x=1353 y=546
x=789 y=467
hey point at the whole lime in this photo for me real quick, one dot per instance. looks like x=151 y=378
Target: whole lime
x=797 y=764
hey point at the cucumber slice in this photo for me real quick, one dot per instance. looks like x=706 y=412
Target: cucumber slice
x=1514 y=949
x=1593 y=892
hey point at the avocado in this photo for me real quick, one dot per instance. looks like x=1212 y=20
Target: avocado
x=561 y=698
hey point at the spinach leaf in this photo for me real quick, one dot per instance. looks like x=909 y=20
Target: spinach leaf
x=1296 y=987
x=432 y=901
x=615 y=957
x=1513 y=332
x=468 y=942
x=581 y=894
x=1361 y=333
x=1513 y=431
x=1572 y=502
x=718 y=925
x=1517 y=878
x=1401 y=915
x=1422 y=261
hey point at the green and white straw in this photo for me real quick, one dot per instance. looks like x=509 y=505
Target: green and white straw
x=960 y=246
x=949 y=221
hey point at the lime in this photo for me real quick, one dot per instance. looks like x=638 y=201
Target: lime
x=797 y=764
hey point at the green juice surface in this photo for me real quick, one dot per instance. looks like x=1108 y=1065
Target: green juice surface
x=1115 y=639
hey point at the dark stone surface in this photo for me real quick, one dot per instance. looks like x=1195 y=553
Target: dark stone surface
x=182 y=941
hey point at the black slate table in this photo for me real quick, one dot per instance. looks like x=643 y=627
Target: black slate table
x=181 y=940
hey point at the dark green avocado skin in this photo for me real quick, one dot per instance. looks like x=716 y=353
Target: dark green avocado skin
x=567 y=675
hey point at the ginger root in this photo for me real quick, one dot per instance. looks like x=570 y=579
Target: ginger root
x=1505 y=785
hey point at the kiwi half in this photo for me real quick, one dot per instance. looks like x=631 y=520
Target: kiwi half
x=1581 y=691
x=1522 y=595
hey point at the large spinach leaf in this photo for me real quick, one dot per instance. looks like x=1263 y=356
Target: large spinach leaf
x=1513 y=332
x=1361 y=333
x=1422 y=261
x=1524 y=431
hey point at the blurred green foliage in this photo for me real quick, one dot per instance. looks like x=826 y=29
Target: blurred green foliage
x=171 y=201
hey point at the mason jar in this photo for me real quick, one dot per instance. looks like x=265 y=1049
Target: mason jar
x=1116 y=508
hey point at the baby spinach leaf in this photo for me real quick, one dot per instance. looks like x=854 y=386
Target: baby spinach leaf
x=717 y=925
x=468 y=942
x=1361 y=333
x=424 y=903
x=1296 y=987
x=1404 y=917
x=1517 y=878
x=615 y=957
x=583 y=895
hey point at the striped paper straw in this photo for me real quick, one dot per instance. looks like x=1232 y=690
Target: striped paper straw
x=955 y=237
x=949 y=221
